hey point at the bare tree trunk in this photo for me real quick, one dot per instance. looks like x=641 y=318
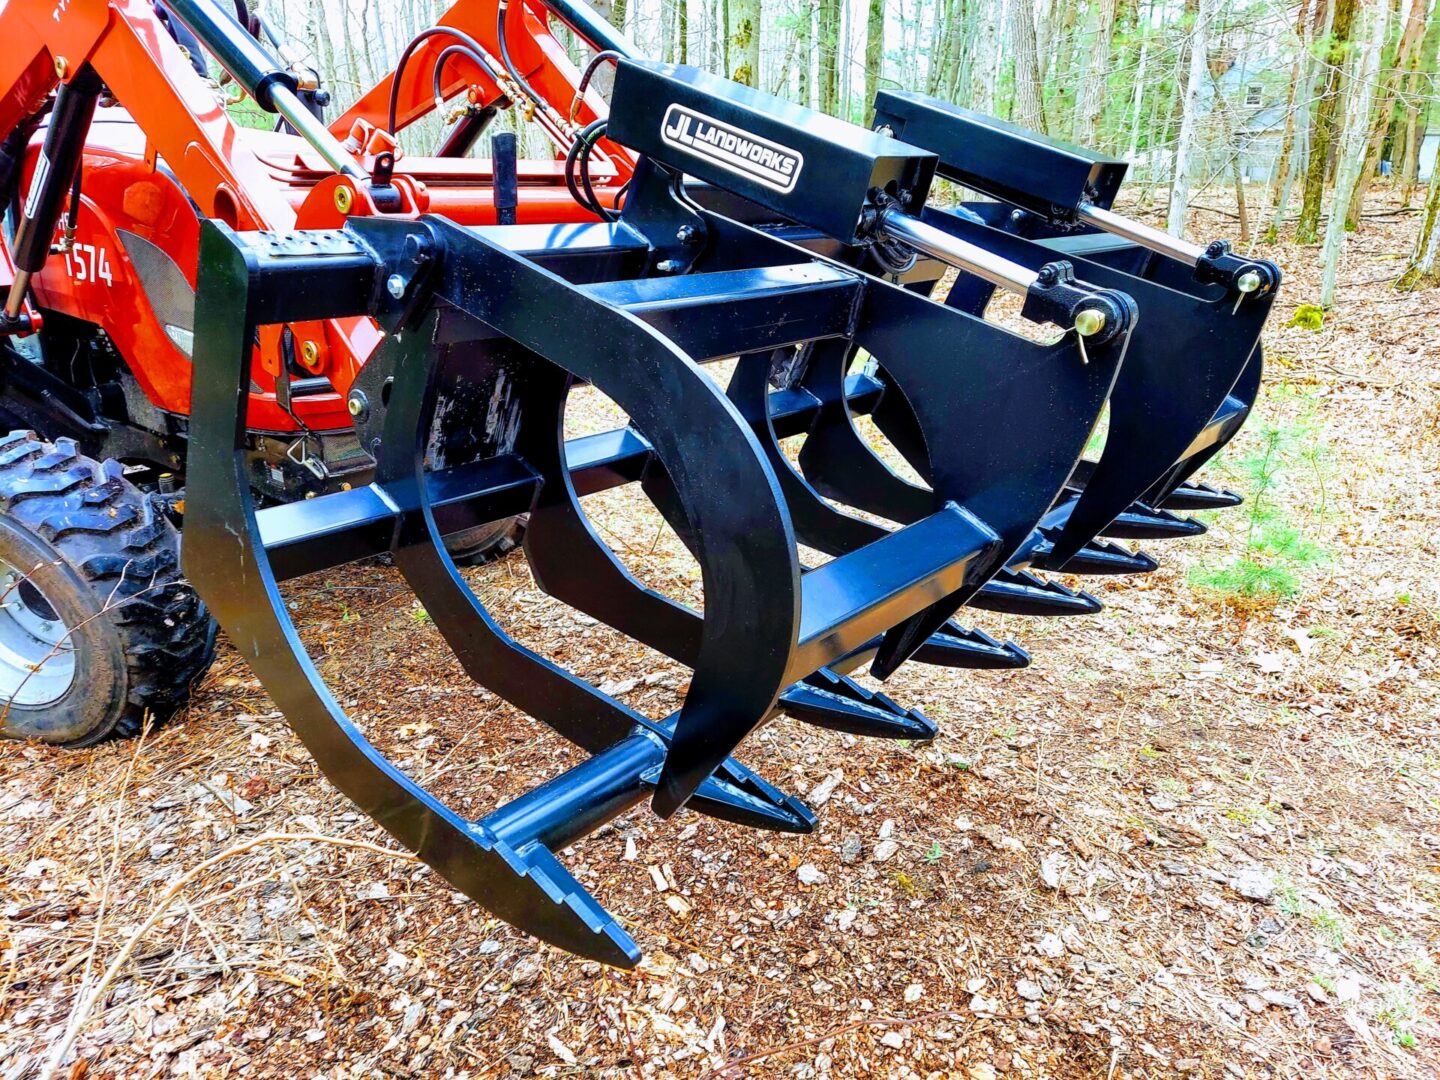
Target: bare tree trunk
x=992 y=60
x=804 y=45
x=1415 y=99
x=682 y=31
x=724 y=31
x=1424 y=266
x=945 y=55
x=1232 y=144
x=1139 y=101
x=828 y=45
x=1353 y=140
x=745 y=41
x=1097 y=67
x=1189 y=118
x=1279 y=179
x=1029 y=108
x=1323 y=128
x=1409 y=43
x=874 y=53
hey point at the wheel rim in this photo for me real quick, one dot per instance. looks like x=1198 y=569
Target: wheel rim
x=37 y=657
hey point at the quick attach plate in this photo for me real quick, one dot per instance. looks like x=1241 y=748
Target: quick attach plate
x=807 y=167
x=1005 y=161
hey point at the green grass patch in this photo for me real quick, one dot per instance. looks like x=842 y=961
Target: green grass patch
x=1277 y=551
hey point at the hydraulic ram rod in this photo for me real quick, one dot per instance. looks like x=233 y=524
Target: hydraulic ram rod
x=1144 y=235
x=271 y=85
x=1051 y=293
x=1215 y=263
x=953 y=251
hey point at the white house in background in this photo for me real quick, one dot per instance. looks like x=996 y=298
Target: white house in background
x=1256 y=90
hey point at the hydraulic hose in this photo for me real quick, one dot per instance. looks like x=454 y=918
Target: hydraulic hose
x=476 y=53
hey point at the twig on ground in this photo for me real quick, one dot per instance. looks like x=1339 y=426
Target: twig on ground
x=88 y=1000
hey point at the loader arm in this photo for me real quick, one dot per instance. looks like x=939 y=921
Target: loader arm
x=189 y=133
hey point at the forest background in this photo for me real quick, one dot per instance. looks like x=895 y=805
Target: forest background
x=1280 y=105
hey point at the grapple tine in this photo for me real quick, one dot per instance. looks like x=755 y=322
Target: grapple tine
x=1184 y=356
x=1095 y=557
x=1140 y=521
x=1020 y=592
x=521 y=882
x=957 y=646
x=1198 y=496
x=838 y=703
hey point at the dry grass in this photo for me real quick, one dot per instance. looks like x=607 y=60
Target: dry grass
x=1077 y=833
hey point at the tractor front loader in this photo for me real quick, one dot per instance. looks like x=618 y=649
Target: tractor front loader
x=364 y=353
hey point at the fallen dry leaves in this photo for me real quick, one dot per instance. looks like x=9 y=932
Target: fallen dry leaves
x=1198 y=837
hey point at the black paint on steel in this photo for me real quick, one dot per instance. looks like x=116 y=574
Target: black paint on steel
x=235 y=49
x=505 y=187
x=808 y=167
x=1002 y=160
x=1185 y=354
x=55 y=169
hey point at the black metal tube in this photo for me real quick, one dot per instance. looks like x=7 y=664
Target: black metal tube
x=54 y=175
x=579 y=801
x=462 y=137
x=505 y=182
x=586 y=21
x=234 y=49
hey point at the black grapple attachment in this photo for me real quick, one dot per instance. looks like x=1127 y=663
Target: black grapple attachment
x=1194 y=361
x=513 y=317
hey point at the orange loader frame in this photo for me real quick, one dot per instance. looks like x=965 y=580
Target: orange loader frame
x=182 y=134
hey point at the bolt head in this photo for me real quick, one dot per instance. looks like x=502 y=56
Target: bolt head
x=344 y=199
x=358 y=404
x=417 y=250
x=395 y=285
x=310 y=354
x=1248 y=282
x=668 y=266
x=1089 y=322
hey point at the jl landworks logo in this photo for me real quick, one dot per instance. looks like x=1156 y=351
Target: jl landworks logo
x=732 y=148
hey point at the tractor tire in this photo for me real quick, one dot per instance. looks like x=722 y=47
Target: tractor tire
x=97 y=627
x=486 y=543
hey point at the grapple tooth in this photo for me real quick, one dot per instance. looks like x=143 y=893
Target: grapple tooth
x=957 y=646
x=548 y=903
x=1019 y=592
x=1096 y=557
x=839 y=703
x=1198 y=496
x=729 y=798
x=1142 y=522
